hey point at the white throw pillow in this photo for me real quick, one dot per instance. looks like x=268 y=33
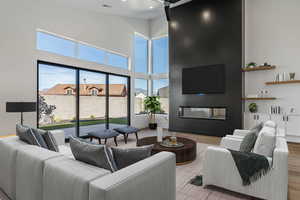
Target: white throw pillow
x=270 y=124
x=265 y=142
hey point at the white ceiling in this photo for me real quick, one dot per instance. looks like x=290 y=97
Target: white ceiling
x=130 y=8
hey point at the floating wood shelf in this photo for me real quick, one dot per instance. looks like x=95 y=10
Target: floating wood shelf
x=258 y=68
x=283 y=82
x=259 y=99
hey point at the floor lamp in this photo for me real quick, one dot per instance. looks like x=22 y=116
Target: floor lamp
x=20 y=107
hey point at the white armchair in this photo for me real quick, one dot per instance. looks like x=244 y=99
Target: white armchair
x=220 y=170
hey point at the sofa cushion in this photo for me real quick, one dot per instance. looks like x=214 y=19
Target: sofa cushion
x=68 y=179
x=30 y=169
x=248 y=141
x=126 y=157
x=265 y=142
x=8 y=155
x=51 y=141
x=97 y=155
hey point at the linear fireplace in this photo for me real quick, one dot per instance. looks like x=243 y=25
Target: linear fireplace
x=215 y=113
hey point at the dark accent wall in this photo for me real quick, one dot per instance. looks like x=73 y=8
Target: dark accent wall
x=207 y=32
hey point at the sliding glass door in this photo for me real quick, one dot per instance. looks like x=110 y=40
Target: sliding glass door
x=118 y=101
x=80 y=101
x=92 y=102
x=57 y=98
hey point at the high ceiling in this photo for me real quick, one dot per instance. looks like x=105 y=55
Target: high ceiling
x=143 y=9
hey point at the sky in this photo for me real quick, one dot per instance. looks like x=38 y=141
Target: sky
x=49 y=76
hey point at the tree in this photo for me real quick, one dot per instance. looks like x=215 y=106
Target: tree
x=44 y=108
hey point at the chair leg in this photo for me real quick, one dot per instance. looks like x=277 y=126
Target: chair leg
x=99 y=140
x=91 y=139
x=105 y=140
x=136 y=135
x=115 y=139
x=125 y=138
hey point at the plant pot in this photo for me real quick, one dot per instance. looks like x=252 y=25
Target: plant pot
x=153 y=126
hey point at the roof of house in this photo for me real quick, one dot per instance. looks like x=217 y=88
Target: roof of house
x=85 y=89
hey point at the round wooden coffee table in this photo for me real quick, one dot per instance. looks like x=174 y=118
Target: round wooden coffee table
x=184 y=155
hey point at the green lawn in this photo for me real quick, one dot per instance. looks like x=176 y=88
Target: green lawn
x=84 y=123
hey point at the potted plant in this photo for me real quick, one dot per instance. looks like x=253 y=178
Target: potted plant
x=152 y=106
x=253 y=107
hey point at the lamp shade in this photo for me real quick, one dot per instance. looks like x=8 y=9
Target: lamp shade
x=21 y=106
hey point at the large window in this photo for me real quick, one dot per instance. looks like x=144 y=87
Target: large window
x=141 y=54
x=78 y=101
x=161 y=89
x=70 y=48
x=160 y=55
x=140 y=93
x=55 y=44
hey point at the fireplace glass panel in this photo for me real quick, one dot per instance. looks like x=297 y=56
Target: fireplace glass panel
x=202 y=113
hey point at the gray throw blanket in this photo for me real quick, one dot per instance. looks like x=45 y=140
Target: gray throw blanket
x=251 y=166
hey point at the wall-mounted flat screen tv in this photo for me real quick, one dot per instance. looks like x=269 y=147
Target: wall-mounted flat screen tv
x=208 y=79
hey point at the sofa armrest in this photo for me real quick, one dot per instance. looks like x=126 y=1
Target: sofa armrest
x=152 y=178
x=59 y=136
x=240 y=132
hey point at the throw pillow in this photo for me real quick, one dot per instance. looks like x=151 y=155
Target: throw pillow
x=50 y=141
x=26 y=134
x=265 y=142
x=126 y=157
x=248 y=142
x=39 y=136
x=257 y=128
x=97 y=155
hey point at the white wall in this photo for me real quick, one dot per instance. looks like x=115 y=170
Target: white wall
x=158 y=27
x=272 y=31
x=18 y=55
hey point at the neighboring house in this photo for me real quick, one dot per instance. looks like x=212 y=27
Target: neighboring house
x=163 y=92
x=118 y=90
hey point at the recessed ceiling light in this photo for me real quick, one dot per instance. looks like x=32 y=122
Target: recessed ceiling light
x=151 y=7
x=106 y=6
x=124 y=0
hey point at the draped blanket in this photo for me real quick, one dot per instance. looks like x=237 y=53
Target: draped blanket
x=251 y=166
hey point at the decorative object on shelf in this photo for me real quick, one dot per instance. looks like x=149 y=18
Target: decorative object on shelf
x=292 y=76
x=253 y=107
x=21 y=107
x=159 y=134
x=152 y=106
x=276 y=110
x=251 y=65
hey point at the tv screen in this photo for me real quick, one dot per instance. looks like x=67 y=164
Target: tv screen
x=203 y=80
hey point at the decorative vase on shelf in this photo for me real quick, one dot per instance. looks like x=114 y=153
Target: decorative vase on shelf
x=292 y=76
x=159 y=134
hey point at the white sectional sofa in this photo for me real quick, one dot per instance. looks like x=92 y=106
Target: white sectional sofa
x=220 y=170
x=32 y=173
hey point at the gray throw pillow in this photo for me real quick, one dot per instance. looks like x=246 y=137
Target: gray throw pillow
x=257 y=128
x=27 y=135
x=248 y=142
x=50 y=141
x=39 y=136
x=126 y=157
x=97 y=155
